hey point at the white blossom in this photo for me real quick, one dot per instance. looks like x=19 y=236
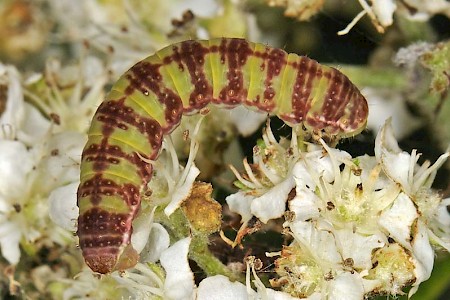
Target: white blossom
x=269 y=181
x=147 y=281
x=16 y=166
x=19 y=120
x=68 y=95
x=347 y=214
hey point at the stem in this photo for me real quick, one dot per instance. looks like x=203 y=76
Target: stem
x=199 y=252
x=178 y=227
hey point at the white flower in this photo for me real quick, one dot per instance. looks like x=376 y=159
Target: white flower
x=173 y=279
x=59 y=160
x=265 y=192
x=440 y=225
x=158 y=241
x=149 y=239
x=146 y=281
x=34 y=162
x=351 y=197
x=24 y=189
x=19 y=120
x=13 y=108
x=16 y=164
x=326 y=261
x=10 y=236
x=69 y=95
x=350 y=218
x=399 y=219
x=240 y=203
x=415 y=181
x=381 y=12
x=402 y=167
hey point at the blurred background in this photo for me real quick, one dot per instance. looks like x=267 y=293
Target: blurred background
x=396 y=52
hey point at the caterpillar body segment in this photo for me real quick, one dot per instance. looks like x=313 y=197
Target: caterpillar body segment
x=148 y=101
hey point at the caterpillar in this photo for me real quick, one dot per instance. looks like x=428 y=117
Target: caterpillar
x=148 y=101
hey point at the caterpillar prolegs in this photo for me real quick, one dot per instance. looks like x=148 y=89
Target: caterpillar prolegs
x=148 y=101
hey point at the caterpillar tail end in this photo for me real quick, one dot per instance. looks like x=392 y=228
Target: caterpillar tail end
x=101 y=264
x=105 y=263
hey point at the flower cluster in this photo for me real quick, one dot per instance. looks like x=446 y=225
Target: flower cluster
x=40 y=160
x=360 y=226
x=380 y=12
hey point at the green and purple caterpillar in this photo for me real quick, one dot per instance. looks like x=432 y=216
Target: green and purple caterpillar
x=148 y=101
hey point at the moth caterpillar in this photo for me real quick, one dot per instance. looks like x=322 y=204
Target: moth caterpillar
x=148 y=101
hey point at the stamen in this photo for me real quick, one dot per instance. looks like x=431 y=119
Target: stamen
x=334 y=162
x=193 y=149
x=431 y=171
x=273 y=177
x=250 y=174
x=352 y=23
x=168 y=145
x=241 y=179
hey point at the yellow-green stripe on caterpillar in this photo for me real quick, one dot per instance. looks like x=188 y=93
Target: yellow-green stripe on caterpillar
x=148 y=101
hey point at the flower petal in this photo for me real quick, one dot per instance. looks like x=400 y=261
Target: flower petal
x=399 y=219
x=305 y=204
x=423 y=255
x=179 y=283
x=157 y=242
x=15 y=164
x=320 y=243
x=359 y=247
x=182 y=192
x=142 y=225
x=63 y=206
x=60 y=164
x=272 y=204
x=384 y=10
x=246 y=121
x=240 y=203
x=346 y=286
x=14 y=110
x=220 y=287
x=10 y=236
